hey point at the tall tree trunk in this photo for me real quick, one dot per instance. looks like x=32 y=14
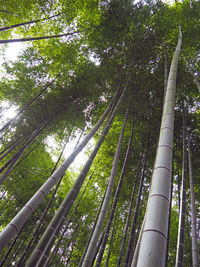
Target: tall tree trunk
x=55 y=249
x=188 y=251
x=195 y=261
x=114 y=204
x=10 y=248
x=181 y=230
x=154 y=237
x=97 y=248
x=111 y=241
x=91 y=233
x=128 y=257
x=96 y=235
x=19 y=247
x=36 y=231
x=48 y=237
x=137 y=248
x=14 y=226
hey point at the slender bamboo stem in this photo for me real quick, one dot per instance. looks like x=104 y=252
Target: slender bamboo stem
x=36 y=231
x=28 y=23
x=37 y=38
x=93 y=228
x=15 y=225
x=111 y=240
x=10 y=248
x=48 y=237
x=137 y=248
x=181 y=230
x=55 y=249
x=125 y=232
x=95 y=238
x=195 y=261
x=128 y=257
x=10 y=164
x=114 y=204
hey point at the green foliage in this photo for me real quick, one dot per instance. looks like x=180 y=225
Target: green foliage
x=111 y=40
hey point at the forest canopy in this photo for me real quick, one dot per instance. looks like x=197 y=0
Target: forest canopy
x=120 y=80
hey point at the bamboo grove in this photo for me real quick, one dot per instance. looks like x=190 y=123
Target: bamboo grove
x=119 y=80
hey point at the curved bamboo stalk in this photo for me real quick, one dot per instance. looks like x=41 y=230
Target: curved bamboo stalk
x=15 y=225
x=154 y=237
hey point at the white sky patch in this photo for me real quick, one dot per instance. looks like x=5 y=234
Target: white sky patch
x=170 y=2
x=12 y=51
x=94 y=58
x=7 y=113
x=79 y=161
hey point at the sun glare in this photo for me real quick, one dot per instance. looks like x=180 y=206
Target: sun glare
x=7 y=112
x=79 y=160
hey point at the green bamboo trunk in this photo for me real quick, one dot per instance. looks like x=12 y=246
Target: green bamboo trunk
x=15 y=225
x=154 y=237
x=97 y=232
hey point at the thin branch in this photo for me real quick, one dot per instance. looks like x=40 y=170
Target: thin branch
x=35 y=38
